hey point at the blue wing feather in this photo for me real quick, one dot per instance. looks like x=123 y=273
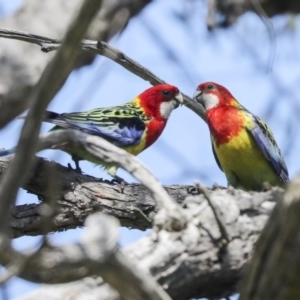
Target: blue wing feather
x=119 y=130
x=266 y=142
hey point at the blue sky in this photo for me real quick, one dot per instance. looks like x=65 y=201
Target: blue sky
x=182 y=52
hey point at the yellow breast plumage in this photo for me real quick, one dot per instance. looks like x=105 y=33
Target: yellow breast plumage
x=244 y=163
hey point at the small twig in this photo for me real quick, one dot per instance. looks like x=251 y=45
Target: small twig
x=211 y=15
x=225 y=237
x=268 y=23
x=12 y=270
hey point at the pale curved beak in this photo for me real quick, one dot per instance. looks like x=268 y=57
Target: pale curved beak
x=198 y=99
x=197 y=96
x=179 y=99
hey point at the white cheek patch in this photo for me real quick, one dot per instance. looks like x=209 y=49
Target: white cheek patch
x=166 y=108
x=210 y=101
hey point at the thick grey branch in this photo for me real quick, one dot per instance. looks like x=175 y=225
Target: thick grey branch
x=80 y=195
x=189 y=264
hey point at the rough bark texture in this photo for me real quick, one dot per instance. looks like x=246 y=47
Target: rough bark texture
x=188 y=263
x=80 y=195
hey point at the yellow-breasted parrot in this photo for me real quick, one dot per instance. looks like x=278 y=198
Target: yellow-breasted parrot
x=243 y=145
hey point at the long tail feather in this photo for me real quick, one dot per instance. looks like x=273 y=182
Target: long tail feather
x=50 y=117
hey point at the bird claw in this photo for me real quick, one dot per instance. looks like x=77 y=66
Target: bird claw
x=120 y=181
x=77 y=169
x=76 y=160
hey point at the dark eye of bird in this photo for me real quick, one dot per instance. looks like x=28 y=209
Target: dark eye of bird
x=210 y=86
x=166 y=93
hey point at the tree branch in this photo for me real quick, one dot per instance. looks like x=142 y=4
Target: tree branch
x=171 y=216
x=97 y=253
x=64 y=264
x=189 y=264
x=233 y=9
x=130 y=281
x=225 y=237
x=164 y=252
x=103 y=49
x=79 y=195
